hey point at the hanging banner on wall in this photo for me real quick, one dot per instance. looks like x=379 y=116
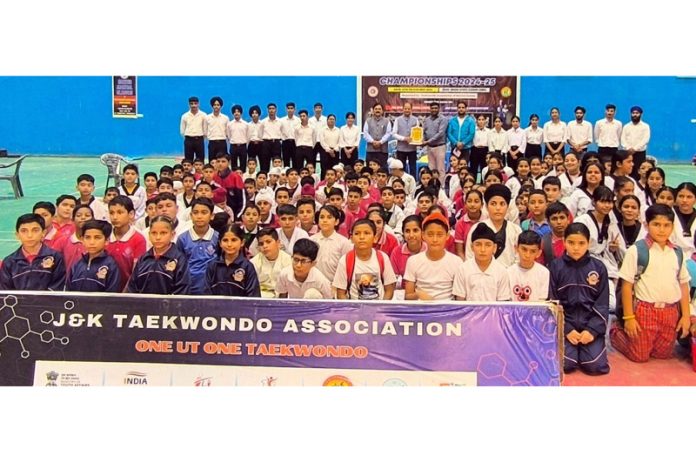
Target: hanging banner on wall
x=488 y=95
x=125 y=96
x=92 y=339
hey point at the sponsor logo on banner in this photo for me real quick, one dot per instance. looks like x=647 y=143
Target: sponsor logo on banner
x=452 y=384
x=203 y=382
x=337 y=381
x=269 y=381
x=52 y=376
x=394 y=383
x=135 y=378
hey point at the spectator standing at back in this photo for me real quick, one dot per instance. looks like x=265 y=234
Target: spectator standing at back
x=193 y=129
x=460 y=132
x=377 y=131
x=349 y=140
x=434 y=138
x=216 y=126
x=288 y=124
x=271 y=135
x=607 y=134
x=579 y=133
x=254 y=133
x=635 y=138
x=401 y=131
x=237 y=132
x=317 y=122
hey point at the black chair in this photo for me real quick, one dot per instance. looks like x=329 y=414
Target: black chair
x=14 y=177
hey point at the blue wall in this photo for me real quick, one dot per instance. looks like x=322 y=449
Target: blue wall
x=669 y=104
x=72 y=115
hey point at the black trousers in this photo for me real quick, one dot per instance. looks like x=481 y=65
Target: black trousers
x=349 y=160
x=378 y=156
x=464 y=155
x=215 y=147
x=326 y=161
x=288 y=147
x=532 y=150
x=269 y=149
x=477 y=160
x=304 y=155
x=254 y=152
x=638 y=158
x=555 y=146
x=238 y=156
x=605 y=153
x=412 y=158
x=317 y=150
x=194 y=147
x=512 y=163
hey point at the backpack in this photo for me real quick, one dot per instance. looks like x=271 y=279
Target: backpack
x=644 y=258
x=350 y=267
x=643 y=261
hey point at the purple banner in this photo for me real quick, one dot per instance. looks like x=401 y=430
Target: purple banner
x=488 y=95
x=503 y=344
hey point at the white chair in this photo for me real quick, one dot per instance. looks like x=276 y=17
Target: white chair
x=113 y=165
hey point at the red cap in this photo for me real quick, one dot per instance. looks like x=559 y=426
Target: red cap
x=219 y=195
x=438 y=218
x=307 y=190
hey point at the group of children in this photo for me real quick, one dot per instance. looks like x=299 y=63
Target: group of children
x=372 y=233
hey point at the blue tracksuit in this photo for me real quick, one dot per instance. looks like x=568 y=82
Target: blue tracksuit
x=463 y=134
x=167 y=274
x=582 y=287
x=45 y=272
x=238 y=279
x=199 y=251
x=99 y=275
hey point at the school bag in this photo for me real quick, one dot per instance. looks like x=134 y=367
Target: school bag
x=350 y=267
x=644 y=258
x=643 y=261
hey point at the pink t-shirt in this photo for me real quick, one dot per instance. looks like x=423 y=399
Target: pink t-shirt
x=400 y=256
x=386 y=243
x=462 y=228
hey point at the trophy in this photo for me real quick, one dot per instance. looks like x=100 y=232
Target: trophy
x=416 y=136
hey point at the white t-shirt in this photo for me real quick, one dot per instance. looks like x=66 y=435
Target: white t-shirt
x=475 y=285
x=529 y=285
x=435 y=277
x=287 y=284
x=288 y=244
x=268 y=272
x=508 y=256
x=331 y=249
x=658 y=283
x=367 y=283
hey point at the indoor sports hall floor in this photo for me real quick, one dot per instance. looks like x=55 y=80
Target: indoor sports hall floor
x=45 y=178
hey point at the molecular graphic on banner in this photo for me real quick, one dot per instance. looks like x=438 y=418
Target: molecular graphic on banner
x=494 y=366
x=17 y=328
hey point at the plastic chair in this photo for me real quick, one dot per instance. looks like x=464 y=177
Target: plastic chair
x=14 y=178
x=113 y=165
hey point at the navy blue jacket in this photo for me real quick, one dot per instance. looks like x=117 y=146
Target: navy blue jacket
x=582 y=287
x=167 y=274
x=239 y=279
x=45 y=272
x=99 y=275
x=198 y=253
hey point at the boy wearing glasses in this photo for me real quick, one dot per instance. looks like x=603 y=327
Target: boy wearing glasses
x=296 y=280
